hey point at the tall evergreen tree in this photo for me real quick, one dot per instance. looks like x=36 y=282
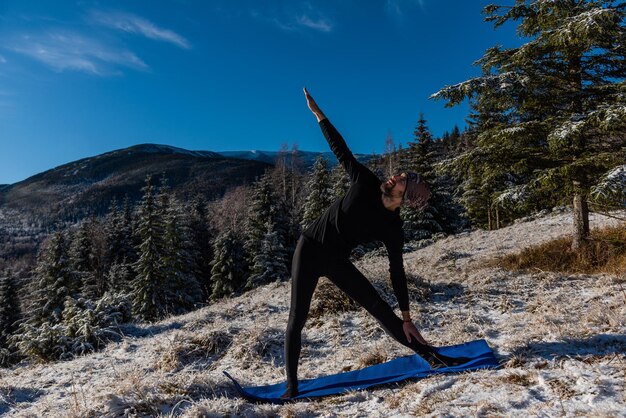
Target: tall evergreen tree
x=264 y=208
x=128 y=247
x=201 y=249
x=54 y=281
x=340 y=183
x=9 y=315
x=319 y=192
x=182 y=289
x=120 y=253
x=271 y=262
x=227 y=274
x=80 y=253
x=421 y=224
x=120 y=277
x=151 y=276
x=258 y=216
x=551 y=107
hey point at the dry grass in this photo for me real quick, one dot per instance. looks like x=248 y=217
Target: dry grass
x=328 y=299
x=372 y=358
x=605 y=253
x=259 y=344
x=186 y=349
x=562 y=388
x=519 y=378
x=432 y=401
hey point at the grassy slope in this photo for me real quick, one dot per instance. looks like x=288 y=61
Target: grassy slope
x=561 y=339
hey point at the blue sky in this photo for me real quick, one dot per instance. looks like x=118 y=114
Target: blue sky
x=79 y=78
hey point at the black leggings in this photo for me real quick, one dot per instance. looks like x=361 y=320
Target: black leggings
x=310 y=261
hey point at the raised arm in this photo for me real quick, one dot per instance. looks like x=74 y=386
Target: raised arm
x=356 y=171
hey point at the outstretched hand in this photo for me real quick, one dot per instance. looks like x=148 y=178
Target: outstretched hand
x=411 y=331
x=313 y=106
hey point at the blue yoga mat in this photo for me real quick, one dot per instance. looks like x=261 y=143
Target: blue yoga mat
x=413 y=366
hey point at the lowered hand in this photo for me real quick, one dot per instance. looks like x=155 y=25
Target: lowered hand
x=411 y=331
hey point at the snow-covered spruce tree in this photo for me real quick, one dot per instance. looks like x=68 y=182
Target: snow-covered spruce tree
x=265 y=208
x=422 y=224
x=128 y=248
x=88 y=257
x=147 y=289
x=560 y=98
x=200 y=237
x=260 y=212
x=118 y=234
x=319 y=192
x=120 y=277
x=120 y=251
x=271 y=262
x=54 y=281
x=227 y=274
x=113 y=234
x=80 y=253
x=182 y=288
x=39 y=333
x=9 y=315
x=340 y=183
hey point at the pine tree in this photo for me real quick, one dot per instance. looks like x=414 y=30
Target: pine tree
x=421 y=224
x=9 y=315
x=319 y=192
x=200 y=239
x=150 y=281
x=127 y=247
x=118 y=233
x=120 y=254
x=262 y=210
x=340 y=183
x=54 y=281
x=120 y=277
x=182 y=288
x=80 y=254
x=271 y=262
x=227 y=274
x=551 y=107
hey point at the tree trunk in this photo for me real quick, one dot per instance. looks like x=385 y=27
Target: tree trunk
x=581 y=221
x=497 y=218
x=489 y=217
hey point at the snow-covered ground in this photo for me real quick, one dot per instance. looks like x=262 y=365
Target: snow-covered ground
x=561 y=340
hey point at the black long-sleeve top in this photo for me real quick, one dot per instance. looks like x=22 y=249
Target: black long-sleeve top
x=360 y=216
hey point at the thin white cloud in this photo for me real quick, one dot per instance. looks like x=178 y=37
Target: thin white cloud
x=135 y=24
x=321 y=24
x=294 y=17
x=63 y=51
x=2 y=60
x=397 y=7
